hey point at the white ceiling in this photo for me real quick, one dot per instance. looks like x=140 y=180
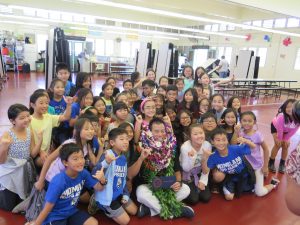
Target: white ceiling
x=221 y=10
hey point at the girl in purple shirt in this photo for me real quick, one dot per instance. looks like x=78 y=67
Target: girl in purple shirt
x=283 y=127
x=259 y=164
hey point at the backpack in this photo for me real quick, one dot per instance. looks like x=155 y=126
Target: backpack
x=35 y=204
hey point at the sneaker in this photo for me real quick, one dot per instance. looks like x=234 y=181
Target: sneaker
x=275 y=182
x=281 y=168
x=143 y=211
x=187 y=212
x=272 y=167
x=92 y=208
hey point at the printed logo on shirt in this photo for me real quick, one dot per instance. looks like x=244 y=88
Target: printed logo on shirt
x=73 y=192
x=230 y=167
x=120 y=173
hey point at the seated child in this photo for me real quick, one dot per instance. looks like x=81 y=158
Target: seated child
x=195 y=171
x=229 y=159
x=160 y=141
x=64 y=190
x=114 y=199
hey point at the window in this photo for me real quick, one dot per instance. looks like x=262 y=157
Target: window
x=78 y=18
x=42 y=13
x=207 y=27
x=268 y=23
x=200 y=56
x=215 y=27
x=297 y=62
x=66 y=17
x=29 y=12
x=41 y=42
x=230 y=27
x=223 y=27
x=228 y=52
x=90 y=19
x=134 y=46
x=221 y=52
x=54 y=15
x=99 y=48
x=262 y=53
x=125 y=49
x=280 y=23
x=247 y=23
x=257 y=23
x=109 y=47
x=293 y=22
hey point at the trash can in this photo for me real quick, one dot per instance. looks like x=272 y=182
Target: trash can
x=40 y=67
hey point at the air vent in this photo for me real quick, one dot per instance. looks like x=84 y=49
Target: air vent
x=125 y=25
x=102 y=22
x=110 y=23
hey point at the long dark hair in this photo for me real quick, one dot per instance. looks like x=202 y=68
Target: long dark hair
x=185 y=69
x=229 y=104
x=81 y=77
x=282 y=109
x=196 y=81
x=82 y=93
x=34 y=97
x=50 y=90
x=229 y=110
x=98 y=98
x=104 y=86
x=194 y=108
x=77 y=129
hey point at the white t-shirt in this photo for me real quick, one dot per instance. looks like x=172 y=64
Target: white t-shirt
x=187 y=162
x=224 y=64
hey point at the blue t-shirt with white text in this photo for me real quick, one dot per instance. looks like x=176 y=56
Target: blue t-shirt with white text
x=59 y=107
x=64 y=193
x=232 y=163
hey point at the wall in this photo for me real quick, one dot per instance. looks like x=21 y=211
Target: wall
x=280 y=59
x=279 y=62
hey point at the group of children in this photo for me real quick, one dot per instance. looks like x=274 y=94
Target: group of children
x=161 y=145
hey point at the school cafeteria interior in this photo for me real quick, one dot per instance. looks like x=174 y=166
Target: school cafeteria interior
x=259 y=41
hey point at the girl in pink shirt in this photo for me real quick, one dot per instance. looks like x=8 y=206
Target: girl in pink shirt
x=283 y=127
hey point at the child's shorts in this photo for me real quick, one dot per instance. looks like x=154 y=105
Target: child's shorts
x=77 y=218
x=116 y=207
x=273 y=128
x=230 y=186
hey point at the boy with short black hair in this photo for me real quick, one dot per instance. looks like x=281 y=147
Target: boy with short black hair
x=114 y=198
x=148 y=88
x=172 y=93
x=229 y=159
x=127 y=85
x=64 y=190
x=63 y=73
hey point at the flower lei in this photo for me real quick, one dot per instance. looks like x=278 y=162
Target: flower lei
x=160 y=163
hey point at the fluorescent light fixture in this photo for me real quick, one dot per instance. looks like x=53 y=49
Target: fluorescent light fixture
x=144 y=23
x=126 y=33
x=103 y=26
x=23 y=23
x=183 y=16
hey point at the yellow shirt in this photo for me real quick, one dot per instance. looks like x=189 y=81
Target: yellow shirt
x=46 y=124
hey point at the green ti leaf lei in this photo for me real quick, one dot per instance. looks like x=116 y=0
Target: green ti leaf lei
x=170 y=207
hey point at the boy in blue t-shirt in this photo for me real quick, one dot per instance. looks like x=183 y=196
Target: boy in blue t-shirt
x=114 y=198
x=230 y=161
x=63 y=73
x=64 y=191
